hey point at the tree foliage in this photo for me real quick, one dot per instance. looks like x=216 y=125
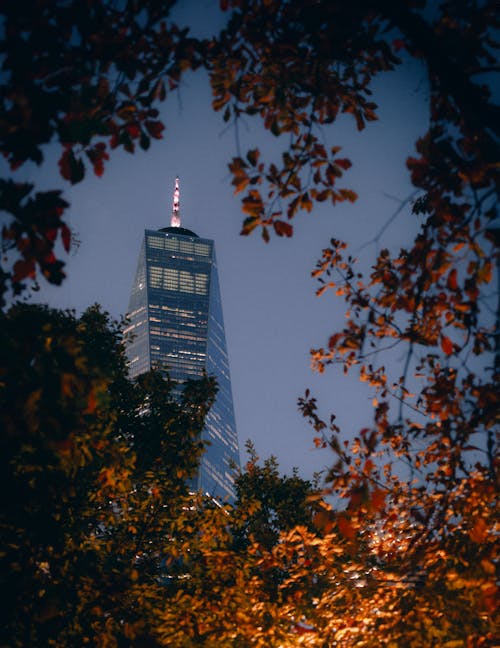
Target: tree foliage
x=415 y=488
x=87 y=76
x=102 y=542
x=94 y=476
x=404 y=551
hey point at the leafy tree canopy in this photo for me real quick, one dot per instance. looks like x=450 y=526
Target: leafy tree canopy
x=408 y=555
x=94 y=472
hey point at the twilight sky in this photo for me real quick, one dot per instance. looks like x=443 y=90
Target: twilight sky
x=272 y=316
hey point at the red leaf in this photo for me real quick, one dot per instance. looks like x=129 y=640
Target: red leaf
x=155 y=128
x=446 y=345
x=97 y=155
x=133 y=130
x=283 y=229
x=378 y=499
x=64 y=164
x=23 y=269
x=369 y=466
x=71 y=168
x=452 y=280
x=253 y=156
x=343 y=163
x=51 y=234
x=66 y=237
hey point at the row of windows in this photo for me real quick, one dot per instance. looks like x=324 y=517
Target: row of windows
x=177 y=245
x=178 y=322
x=180 y=312
x=181 y=316
x=177 y=335
x=178 y=280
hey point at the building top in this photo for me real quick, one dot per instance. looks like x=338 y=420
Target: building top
x=175 y=219
x=178 y=230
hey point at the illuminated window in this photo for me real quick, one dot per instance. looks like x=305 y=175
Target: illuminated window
x=182 y=280
x=202 y=249
x=155 y=276
x=186 y=247
x=201 y=281
x=155 y=242
x=171 y=279
x=171 y=244
x=186 y=281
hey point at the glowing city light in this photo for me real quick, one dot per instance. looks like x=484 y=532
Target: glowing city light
x=175 y=220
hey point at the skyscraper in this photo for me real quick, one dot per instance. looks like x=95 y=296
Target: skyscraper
x=175 y=314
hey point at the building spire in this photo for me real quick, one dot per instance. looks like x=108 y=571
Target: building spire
x=175 y=220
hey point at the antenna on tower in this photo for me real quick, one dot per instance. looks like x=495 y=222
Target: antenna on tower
x=175 y=220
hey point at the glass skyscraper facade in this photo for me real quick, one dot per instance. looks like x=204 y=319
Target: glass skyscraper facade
x=176 y=324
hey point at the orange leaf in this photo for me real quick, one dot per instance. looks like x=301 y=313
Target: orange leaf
x=91 y=403
x=490 y=597
x=345 y=527
x=252 y=206
x=488 y=566
x=378 y=499
x=323 y=521
x=249 y=224
x=479 y=531
x=369 y=466
x=107 y=477
x=67 y=384
x=348 y=194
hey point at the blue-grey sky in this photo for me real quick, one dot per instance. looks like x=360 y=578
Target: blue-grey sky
x=272 y=316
